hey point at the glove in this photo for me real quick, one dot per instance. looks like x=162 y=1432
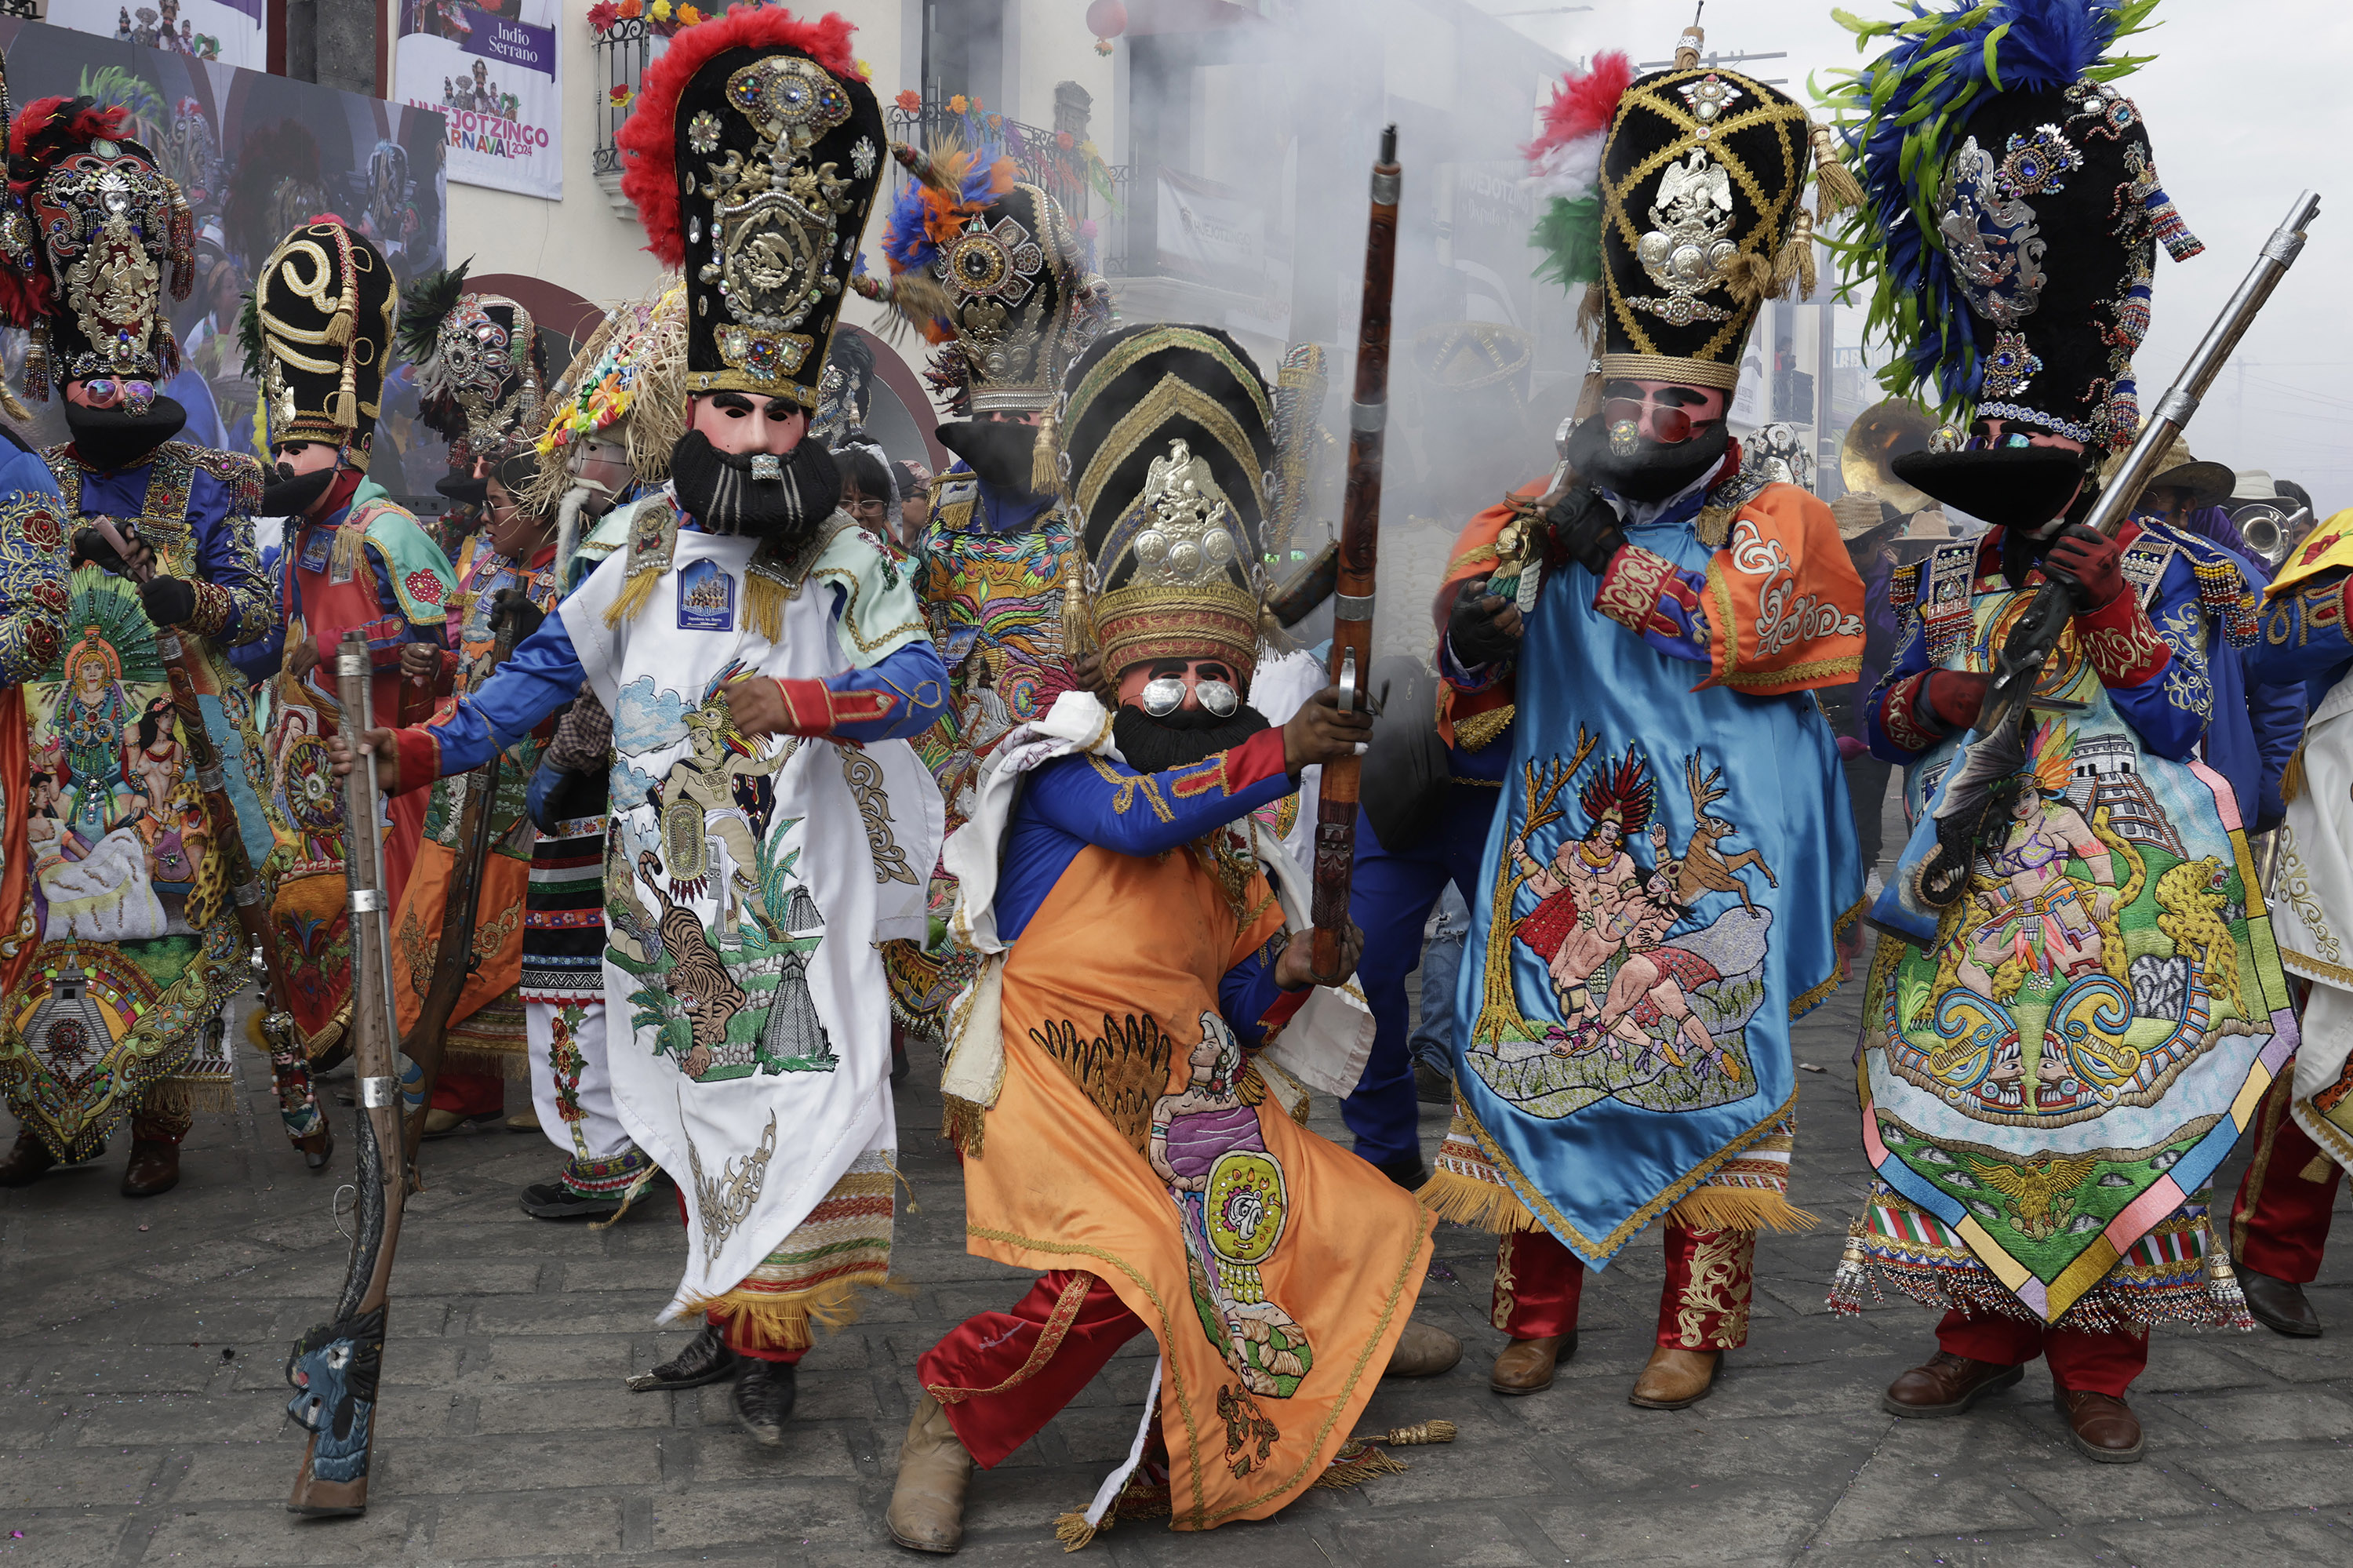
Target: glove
x=507 y=606
x=1956 y=695
x=170 y=601
x=2088 y=564
x=1471 y=632
x=90 y=545
x=1585 y=529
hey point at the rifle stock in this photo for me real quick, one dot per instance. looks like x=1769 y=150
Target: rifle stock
x=1352 y=603
x=453 y=960
x=334 y=1369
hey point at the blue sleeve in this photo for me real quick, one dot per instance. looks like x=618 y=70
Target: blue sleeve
x=539 y=677
x=2278 y=713
x=2302 y=636
x=1111 y=805
x=1911 y=659
x=1247 y=994
x=227 y=559
x=914 y=677
x=2171 y=711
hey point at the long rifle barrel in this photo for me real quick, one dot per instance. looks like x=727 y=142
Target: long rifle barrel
x=1360 y=518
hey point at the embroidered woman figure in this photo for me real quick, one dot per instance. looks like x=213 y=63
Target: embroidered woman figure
x=92 y=718
x=1207 y=1146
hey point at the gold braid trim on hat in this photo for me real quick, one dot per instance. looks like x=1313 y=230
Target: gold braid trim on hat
x=1209 y=620
x=1142 y=424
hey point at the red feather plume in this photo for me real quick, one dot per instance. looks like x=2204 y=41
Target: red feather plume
x=47 y=127
x=648 y=142
x=1582 y=105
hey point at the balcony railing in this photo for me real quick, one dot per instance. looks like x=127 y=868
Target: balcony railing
x=624 y=49
x=1063 y=163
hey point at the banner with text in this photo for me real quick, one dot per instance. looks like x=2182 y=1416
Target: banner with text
x=493 y=70
x=232 y=32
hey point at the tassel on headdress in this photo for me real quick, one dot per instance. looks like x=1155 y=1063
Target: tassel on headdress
x=1796 y=265
x=1836 y=190
x=1046 y=456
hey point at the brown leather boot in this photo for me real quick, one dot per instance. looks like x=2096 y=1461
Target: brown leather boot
x=28 y=1161
x=1675 y=1378
x=1947 y=1385
x=2100 y=1425
x=927 y=1502
x=1423 y=1351
x=1525 y=1366
x=154 y=1167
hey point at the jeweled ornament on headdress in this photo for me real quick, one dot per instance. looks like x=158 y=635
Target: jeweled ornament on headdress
x=2013 y=211
x=985 y=264
x=317 y=331
x=752 y=156
x=1168 y=431
x=97 y=234
x=1676 y=200
x=479 y=370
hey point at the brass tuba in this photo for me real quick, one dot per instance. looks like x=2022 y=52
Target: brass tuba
x=1886 y=430
x=2272 y=528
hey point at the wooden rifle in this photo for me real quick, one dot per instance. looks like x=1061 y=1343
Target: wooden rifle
x=1973 y=806
x=1352 y=602
x=335 y=1368
x=290 y=1062
x=453 y=960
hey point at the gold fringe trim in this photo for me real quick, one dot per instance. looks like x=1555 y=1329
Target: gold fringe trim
x=1073 y=1531
x=1348 y=1470
x=964 y=1124
x=1836 y=189
x=1046 y=456
x=1796 y=264
x=2317 y=1167
x=786 y=1322
x=1482 y=1205
x=2292 y=776
x=1748 y=276
x=1589 y=315
x=186 y=1096
x=1740 y=1209
x=344 y=560
x=514 y=1065
x=763 y=606
x=636 y=593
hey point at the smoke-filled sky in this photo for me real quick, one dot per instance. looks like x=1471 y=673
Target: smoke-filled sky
x=2245 y=108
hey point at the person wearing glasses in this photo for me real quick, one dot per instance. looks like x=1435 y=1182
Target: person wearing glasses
x=1665 y=612
x=2055 y=1061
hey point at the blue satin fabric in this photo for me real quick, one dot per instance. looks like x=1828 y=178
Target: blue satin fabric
x=1597 y=1172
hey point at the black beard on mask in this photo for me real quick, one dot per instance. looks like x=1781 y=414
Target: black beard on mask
x=1156 y=744
x=1650 y=471
x=112 y=438
x=290 y=494
x=718 y=490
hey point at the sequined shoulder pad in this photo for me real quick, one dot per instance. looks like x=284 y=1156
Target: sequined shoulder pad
x=2224 y=589
x=239 y=472
x=1904 y=585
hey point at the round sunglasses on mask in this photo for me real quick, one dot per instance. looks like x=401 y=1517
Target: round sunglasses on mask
x=1165 y=694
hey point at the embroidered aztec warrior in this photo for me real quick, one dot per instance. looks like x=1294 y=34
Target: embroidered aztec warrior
x=353 y=560
x=985 y=265
x=1623 y=1016
x=747 y=617
x=2052 y=1066
x=123 y=947
x=1143 y=1086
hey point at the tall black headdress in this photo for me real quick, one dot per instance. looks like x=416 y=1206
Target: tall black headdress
x=318 y=330
x=753 y=156
x=99 y=234
x=1169 y=434
x=2011 y=226
x=845 y=389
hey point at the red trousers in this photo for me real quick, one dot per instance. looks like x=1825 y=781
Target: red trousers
x=730 y=1329
x=1002 y=1376
x=1704 y=1305
x=2279 y=1225
x=2105 y=1363
x=469 y=1094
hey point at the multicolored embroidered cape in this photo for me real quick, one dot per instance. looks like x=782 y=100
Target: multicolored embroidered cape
x=122 y=943
x=2052 y=1077
x=1656 y=906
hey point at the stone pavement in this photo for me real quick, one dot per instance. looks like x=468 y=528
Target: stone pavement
x=141 y=1349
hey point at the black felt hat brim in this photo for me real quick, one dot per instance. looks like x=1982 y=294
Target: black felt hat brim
x=2015 y=487
x=463 y=489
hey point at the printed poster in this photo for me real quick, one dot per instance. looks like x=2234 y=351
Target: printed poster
x=229 y=32
x=493 y=70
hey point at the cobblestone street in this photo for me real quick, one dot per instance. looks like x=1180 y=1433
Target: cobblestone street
x=143 y=1344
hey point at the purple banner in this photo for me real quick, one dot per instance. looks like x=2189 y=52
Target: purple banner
x=516 y=43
